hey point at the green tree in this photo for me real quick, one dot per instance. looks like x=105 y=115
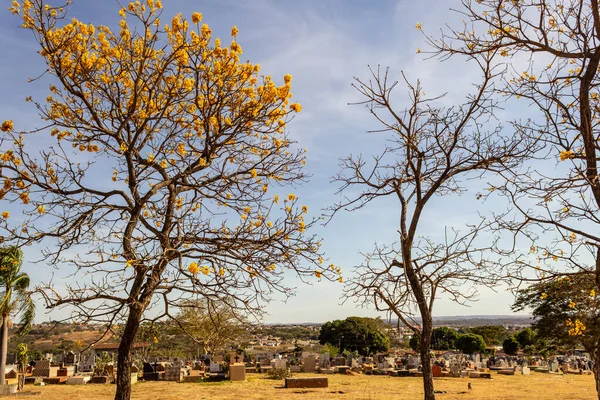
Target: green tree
x=566 y=311
x=470 y=343
x=15 y=299
x=492 y=334
x=444 y=338
x=510 y=345
x=414 y=343
x=526 y=337
x=364 y=335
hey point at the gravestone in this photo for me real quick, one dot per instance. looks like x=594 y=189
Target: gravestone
x=134 y=369
x=237 y=372
x=174 y=374
x=436 y=371
x=324 y=360
x=11 y=358
x=70 y=358
x=43 y=368
x=279 y=363
x=339 y=361
x=215 y=367
x=526 y=371
x=309 y=364
x=150 y=373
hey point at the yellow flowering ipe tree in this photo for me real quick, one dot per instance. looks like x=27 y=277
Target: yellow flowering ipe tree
x=162 y=182
x=551 y=51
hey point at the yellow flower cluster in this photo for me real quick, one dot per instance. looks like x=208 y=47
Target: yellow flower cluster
x=193 y=268
x=7 y=126
x=566 y=155
x=576 y=328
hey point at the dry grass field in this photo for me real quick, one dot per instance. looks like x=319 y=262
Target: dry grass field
x=533 y=387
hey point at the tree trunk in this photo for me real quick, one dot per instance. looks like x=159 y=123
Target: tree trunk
x=3 y=349
x=124 y=357
x=595 y=355
x=425 y=353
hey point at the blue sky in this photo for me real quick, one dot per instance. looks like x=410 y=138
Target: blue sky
x=323 y=44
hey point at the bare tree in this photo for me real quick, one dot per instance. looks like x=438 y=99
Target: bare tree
x=429 y=150
x=159 y=185
x=552 y=51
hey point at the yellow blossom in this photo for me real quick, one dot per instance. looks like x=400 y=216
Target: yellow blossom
x=592 y=293
x=5 y=215
x=155 y=340
x=292 y=197
x=418 y=26
x=544 y=296
x=287 y=79
x=304 y=209
x=194 y=268
x=205 y=270
x=7 y=126
x=234 y=31
x=254 y=173
x=566 y=155
x=196 y=17
x=129 y=263
x=572 y=304
x=123 y=147
x=41 y=209
x=296 y=107
x=318 y=274
x=276 y=199
x=341 y=280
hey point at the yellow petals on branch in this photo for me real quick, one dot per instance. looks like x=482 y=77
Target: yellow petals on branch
x=287 y=79
x=276 y=199
x=544 y=296
x=129 y=263
x=234 y=31
x=296 y=107
x=196 y=17
x=24 y=197
x=418 y=26
x=318 y=274
x=181 y=149
x=304 y=209
x=566 y=155
x=575 y=328
x=253 y=173
x=123 y=147
x=572 y=304
x=340 y=280
x=5 y=215
x=41 y=209
x=7 y=126
x=292 y=197
x=205 y=270
x=193 y=268
x=592 y=293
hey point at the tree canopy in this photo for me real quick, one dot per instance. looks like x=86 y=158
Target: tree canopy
x=361 y=334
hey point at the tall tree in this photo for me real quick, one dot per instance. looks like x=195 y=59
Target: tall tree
x=212 y=326
x=552 y=302
x=552 y=51
x=15 y=299
x=361 y=334
x=159 y=186
x=430 y=149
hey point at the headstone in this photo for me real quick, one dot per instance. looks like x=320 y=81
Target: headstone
x=174 y=374
x=70 y=358
x=324 y=360
x=134 y=369
x=279 y=363
x=554 y=366
x=309 y=364
x=237 y=372
x=436 y=371
x=78 y=380
x=526 y=371
x=43 y=368
x=215 y=367
x=11 y=358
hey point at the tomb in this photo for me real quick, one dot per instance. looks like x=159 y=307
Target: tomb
x=299 y=383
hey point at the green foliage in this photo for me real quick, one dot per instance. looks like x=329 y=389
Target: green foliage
x=510 y=345
x=414 y=343
x=470 y=343
x=554 y=303
x=444 y=338
x=15 y=299
x=278 y=373
x=525 y=338
x=364 y=335
x=493 y=335
x=22 y=355
x=331 y=350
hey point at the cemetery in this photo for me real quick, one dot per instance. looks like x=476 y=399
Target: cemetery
x=318 y=373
